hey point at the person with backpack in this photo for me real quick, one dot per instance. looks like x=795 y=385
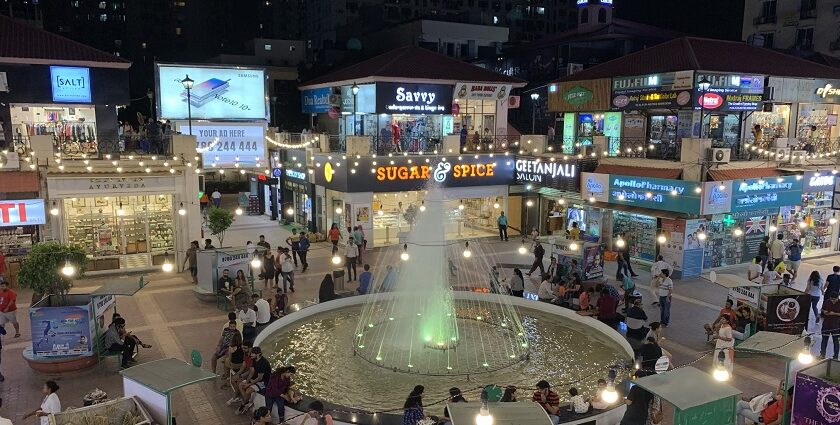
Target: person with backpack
x=795 y=256
x=629 y=289
x=303 y=249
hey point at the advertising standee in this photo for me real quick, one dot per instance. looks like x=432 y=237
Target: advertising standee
x=60 y=331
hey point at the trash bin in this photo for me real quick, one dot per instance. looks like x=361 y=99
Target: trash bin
x=338 y=279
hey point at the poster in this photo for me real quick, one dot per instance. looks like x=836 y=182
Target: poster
x=593 y=262
x=815 y=401
x=755 y=229
x=61 y=331
x=362 y=215
x=787 y=313
x=672 y=250
x=692 y=264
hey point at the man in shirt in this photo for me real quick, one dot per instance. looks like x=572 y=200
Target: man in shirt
x=263 y=243
x=830 y=324
x=549 y=400
x=224 y=343
x=655 y=271
x=795 y=256
x=636 y=320
x=666 y=287
x=303 y=246
x=364 y=280
x=650 y=352
x=832 y=282
x=259 y=380
x=544 y=293
x=263 y=310
x=606 y=308
x=234 y=317
x=756 y=269
x=638 y=402
x=293 y=241
x=226 y=283
x=208 y=244
x=777 y=250
x=115 y=340
x=8 y=307
x=503 y=223
x=192 y=260
x=771 y=415
x=217 y=198
x=248 y=317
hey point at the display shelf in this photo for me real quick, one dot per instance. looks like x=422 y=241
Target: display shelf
x=640 y=231
x=14 y=242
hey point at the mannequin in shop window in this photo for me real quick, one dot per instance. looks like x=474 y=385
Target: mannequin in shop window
x=395 y=128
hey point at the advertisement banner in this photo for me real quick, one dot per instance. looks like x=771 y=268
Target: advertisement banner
x=593 y=262
x=658 y=194
x=777 y=192
x=407 y=98
x=815 y=401
x=70 y=84
x=61 y=331
x=674 y=246
x=223 y=146
x=482 y=91
x=365 y=99
x=755 y=229
x=23 y=212
x=669 y=90
x=218 y=93
x=595 y=185
x=787 y=314
x=580 y=96
x=692 y=265
x=730 y=92
x=717 y=197
x=315 y=101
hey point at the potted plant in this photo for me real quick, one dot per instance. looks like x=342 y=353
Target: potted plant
x=47 y=269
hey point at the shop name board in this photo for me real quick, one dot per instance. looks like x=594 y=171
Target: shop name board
x=397 y=98
x=577 y=95
x=536 y=171
x=27 y=212
x=717 y=197
x=441 y=171
x=823 y=182
x=755 y=194
x=482 y=91
x=93 y=186
x=729 y=92
x=826 y=89
x=315 y=101
x=300 y=175
x=661 y=194
x=666 y=90
x=70 y=84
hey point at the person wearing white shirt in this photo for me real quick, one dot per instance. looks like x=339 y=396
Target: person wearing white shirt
x=576 y=402
x=263 y=310
x=4 y=421
x=352 y=254
x=664 y=290
x=656 y=271
x=217 y=198
x=287 y=270
x=777 y=250
x=248 y=317
x=725 y=342
x=51 y=403
x=544 y=293
x=755 y=270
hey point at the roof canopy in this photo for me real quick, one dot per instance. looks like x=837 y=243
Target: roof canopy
x=24 y=44
x=687 y=387
x=126 y=287
x=703 y=54
x=411 y=64
x=167 y=375
x=775 y=343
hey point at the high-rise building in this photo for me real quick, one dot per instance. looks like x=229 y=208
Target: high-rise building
x=803 y=26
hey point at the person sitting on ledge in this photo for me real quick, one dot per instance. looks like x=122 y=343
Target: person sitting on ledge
x=636 y=320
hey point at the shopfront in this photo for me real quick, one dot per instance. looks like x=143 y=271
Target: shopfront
x=817 y=120
x=810 y=220
x=296 y=195
x=384 y=194
x=585 y=108
x=121 y=223
x=726 y=102
x=552 y=188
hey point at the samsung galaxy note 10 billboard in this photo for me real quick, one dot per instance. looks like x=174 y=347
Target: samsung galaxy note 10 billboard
x=217 y=93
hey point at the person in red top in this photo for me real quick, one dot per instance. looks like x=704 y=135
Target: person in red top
x=725 y=311
x=549 y=400
x=8 y=307
x=771 y=415
x=606 y=308
x=334 y=234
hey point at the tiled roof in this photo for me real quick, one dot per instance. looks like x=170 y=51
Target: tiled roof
x=411 y=63
x=626 y=170
x=23 y=43
x=703 y=54
x=742 y=173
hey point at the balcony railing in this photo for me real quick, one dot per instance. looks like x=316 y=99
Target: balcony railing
x=761 y=20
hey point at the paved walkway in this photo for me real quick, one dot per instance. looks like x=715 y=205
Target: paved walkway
x=168 y=316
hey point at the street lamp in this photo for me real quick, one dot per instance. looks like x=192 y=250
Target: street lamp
x=704 y=86
x=355 y=90
x=188 y=84
x=534 y=97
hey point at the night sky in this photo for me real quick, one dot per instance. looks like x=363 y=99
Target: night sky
x=706 y=18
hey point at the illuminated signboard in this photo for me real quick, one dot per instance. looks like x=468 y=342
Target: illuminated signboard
x=217 y=93
x=729 y=92
x=225 y=145
x=26 y=212
x=772 y=192
x=582 y=3
x=666 y=90
x=659 y=194
x=70 y=84
x=409 y=98
x=559 y=175
x=300 y=175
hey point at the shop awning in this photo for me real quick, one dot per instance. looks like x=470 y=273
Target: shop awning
x=167 y=375
x=658 y=173
x=125 y=287
x=775 y=343
x=687 y=387
x=742 y=173
x=639 y=210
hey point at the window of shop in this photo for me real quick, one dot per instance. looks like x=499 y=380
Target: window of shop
x=639 y=233
x=724 y=128
x=300 y=202
x=724 y=249
x=774 y=124
x=73 y=128
x=663 y=129
x=588 y=220
x=809 y=222
x=822 y=117
x=121 y=232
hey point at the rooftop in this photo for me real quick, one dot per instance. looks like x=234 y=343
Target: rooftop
x=413 y=64
x=704 y=54
x=21 y=43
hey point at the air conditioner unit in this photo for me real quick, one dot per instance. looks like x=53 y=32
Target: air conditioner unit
x=798 y=157
x=719 y=155
x=781 y=154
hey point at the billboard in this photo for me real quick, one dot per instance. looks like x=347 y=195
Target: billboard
x=217 y=94
x=223 y=145
x=70 y=84
x=61 y=331
x=23 y=212
x=730 y=92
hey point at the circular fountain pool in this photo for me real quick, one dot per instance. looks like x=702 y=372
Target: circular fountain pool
x=562 y=347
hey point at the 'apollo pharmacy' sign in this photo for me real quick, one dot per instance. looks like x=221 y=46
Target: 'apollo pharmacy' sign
x=752 y=194
x=70 y=84
x=27 y=212
x=659 y=194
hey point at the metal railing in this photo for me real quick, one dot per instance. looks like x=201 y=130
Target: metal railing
x=123 y=145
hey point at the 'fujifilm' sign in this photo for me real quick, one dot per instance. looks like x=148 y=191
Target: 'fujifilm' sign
x=535 y=171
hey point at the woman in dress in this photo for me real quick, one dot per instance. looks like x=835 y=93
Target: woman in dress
x=413 y=407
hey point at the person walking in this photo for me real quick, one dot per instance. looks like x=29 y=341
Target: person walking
x=335 y=235
x=293 y=242
x=359 y=237
x=517 y=283
x=815 y=290
x=764 y=253
x=216 y=196
x=794 y=251
x=665 y=289
x=267 y=268
x=8 y=307
x=263 y=243
x=725 y=342
x=777 y=251
x=831 y=324
x=503 y=224
x=351 y=252
x=287 y=270
x=303 y=250
x=192 y=260
x=539 y=252
x=625 y=252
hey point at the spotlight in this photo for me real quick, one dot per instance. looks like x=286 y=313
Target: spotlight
x=238 y=211
x=68 y=269
x=496 y=205
x=181 y=210
x=380 y=212
x=662 y=239
x=772 y=228
x=467 y=252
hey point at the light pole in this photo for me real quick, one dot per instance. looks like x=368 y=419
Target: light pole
x=188 y=84
x=534 y=97
x=704 y=86
x=355 y=90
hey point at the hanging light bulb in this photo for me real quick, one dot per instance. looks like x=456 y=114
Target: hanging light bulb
x=167 y=265
x=661 y=238
x=181 y=210
x=404 y=255
x=721 y=187
x=467 y=252
x=772 y=228
x=720 y=373
x=290 y=211
x=68 y=269
x=832 y=221
x=591 y=199
x=496 y=205
x=338 y=210
x=738 y=232
x=620 y=242
x=422 y=205
x=573 y=246
x=561 y=201
x=461 y=206
x=529 y=203
x=803 y=224
x=522 y=249
x=610 y=395
x=701 y=236
x=54 y=209
x=256 y=262
x=120 y=210
x=484 y=417
x=805 y=356
x=238 y=211
x=336 y=259
x=380 y=212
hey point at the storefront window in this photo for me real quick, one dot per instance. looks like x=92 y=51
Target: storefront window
x=663 y=129
x=821 y=116
x=476 y=115
x=773 y=124
x=724 y=128
x=724 y=249
x=131 y=230
x=809 y=222
x=73 y=127
x=300 y=201
x=639 y=233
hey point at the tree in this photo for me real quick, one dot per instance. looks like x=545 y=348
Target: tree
x=41 y=271
x=219 y=220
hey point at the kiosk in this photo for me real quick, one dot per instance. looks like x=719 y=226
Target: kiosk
x=696 y=397
x=817 y=394
x=153 y=384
